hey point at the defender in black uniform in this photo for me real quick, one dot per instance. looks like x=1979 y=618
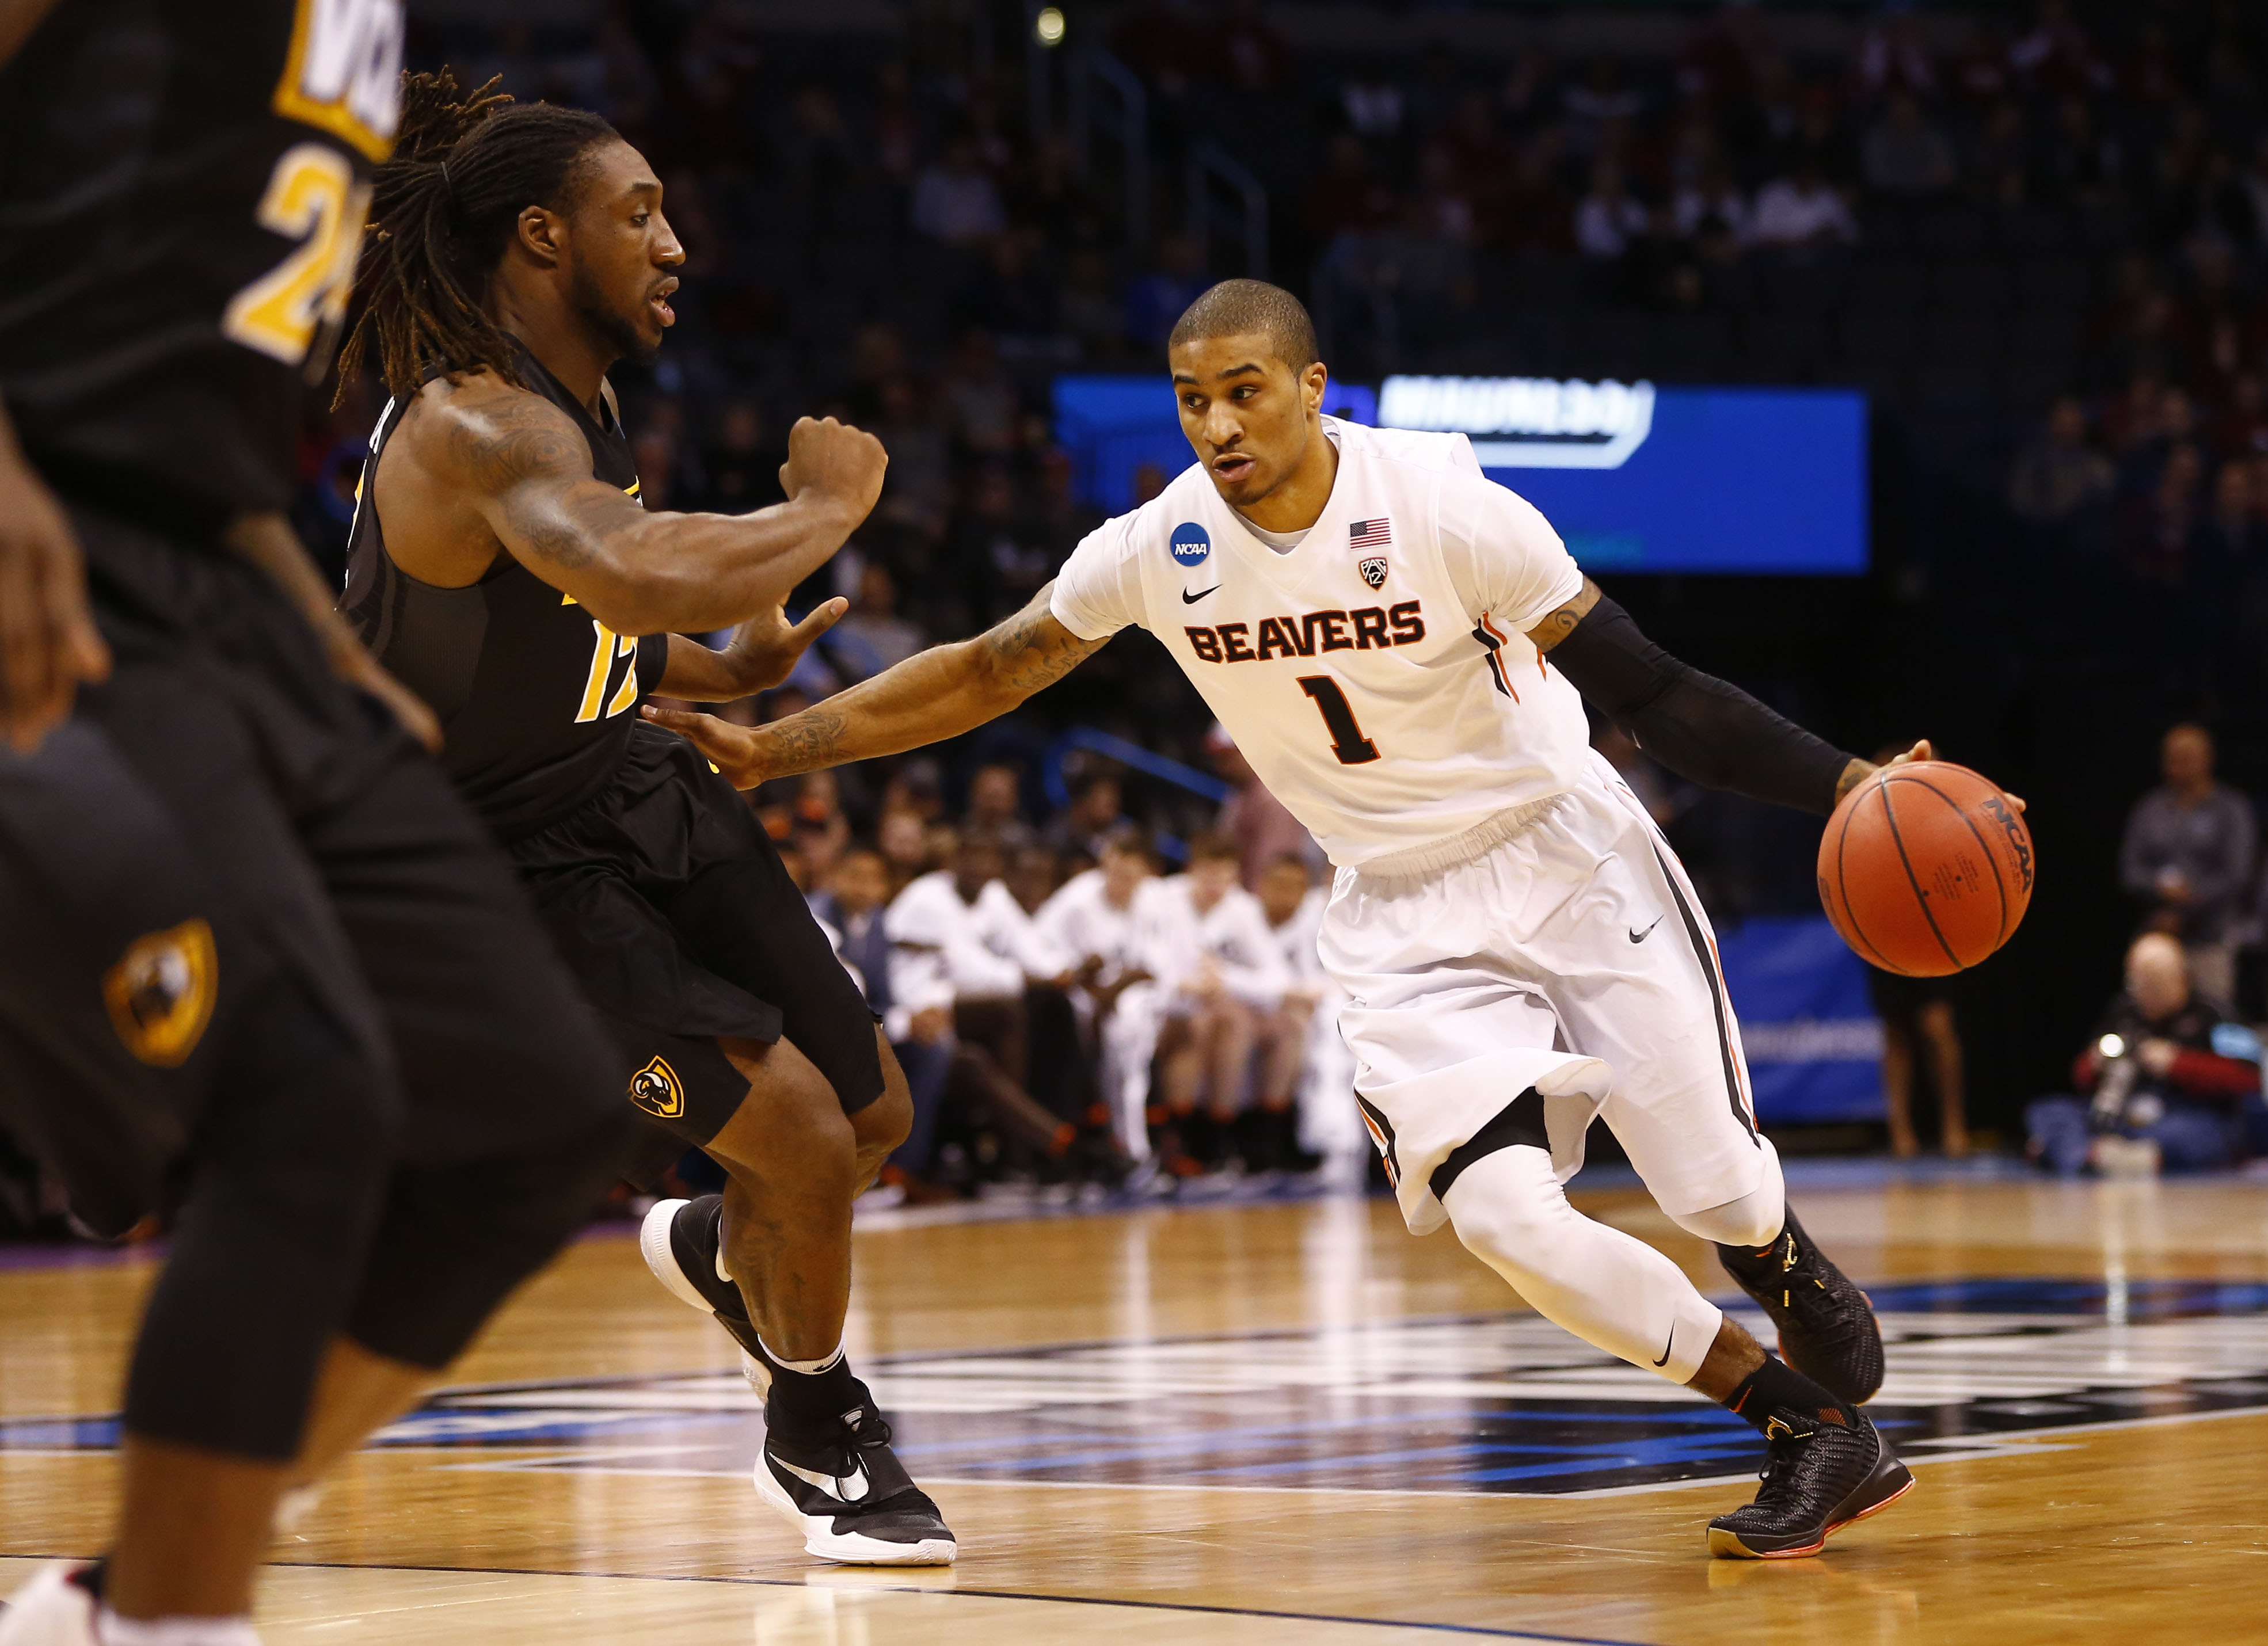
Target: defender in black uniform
x=264 y=972
x=502 y=565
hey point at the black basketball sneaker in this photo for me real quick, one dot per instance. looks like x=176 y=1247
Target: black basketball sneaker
x=839 y=1482
x=1819 y=1475
x=1827 y=1328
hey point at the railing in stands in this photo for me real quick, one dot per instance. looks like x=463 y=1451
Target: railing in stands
x=1211 y=170
x=1105 y=94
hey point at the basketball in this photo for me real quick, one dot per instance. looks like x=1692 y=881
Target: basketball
x=1925 y=869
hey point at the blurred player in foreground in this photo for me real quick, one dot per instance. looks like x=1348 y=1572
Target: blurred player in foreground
x=265 y=975
x=1401 y=648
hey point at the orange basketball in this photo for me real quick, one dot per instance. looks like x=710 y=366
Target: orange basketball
x=1925 y=869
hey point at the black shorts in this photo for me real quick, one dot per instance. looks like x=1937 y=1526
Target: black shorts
x=222 y=811
x=675 y=914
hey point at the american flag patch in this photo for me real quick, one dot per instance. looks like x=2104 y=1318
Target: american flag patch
x=1370 y=534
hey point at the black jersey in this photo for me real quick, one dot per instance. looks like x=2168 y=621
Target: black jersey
x=182 y=188
x=537 y=698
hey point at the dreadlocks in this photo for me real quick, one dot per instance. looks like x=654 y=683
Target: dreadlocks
x=443 y=208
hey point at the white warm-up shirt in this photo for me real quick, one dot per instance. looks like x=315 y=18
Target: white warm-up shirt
x=1378 y=676
x=1080 y=922
x=1295 y=938
x=1233 y=933
x=983 y=949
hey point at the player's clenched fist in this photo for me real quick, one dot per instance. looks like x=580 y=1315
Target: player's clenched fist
x=835 y=460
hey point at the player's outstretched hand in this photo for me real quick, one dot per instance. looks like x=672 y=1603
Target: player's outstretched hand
x=835 y=460
x=732 y=750
x=49 y=642
x=765 y=650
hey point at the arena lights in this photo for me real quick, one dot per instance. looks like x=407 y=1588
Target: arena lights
x=1048 y=26
x=1567 y=423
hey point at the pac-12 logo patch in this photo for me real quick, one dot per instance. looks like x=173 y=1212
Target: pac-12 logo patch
x=1373 y=570
x=161 y=993
x=658 y=1091
x=1191 y=545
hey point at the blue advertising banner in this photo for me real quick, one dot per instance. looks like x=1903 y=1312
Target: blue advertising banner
x=1635 y=478
x=1814 y=1044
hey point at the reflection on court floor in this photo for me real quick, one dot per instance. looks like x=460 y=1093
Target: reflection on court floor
x=1502 y=1405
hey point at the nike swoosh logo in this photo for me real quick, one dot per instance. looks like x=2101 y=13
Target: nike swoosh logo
x=1640 y=937
x=1664 y=1361
x=1191 y=599
x=847 y=1489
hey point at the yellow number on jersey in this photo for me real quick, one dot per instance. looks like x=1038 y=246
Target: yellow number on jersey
x=312 y=197
x=605 y=648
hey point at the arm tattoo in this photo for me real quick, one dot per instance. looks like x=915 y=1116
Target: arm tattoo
x=1561 y=623
x=807 y=742
x=1031 y=650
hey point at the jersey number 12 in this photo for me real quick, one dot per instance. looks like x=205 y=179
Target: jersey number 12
x=1347 y=741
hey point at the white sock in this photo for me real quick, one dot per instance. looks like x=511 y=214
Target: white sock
x=808 y=1368
x=1612 y=1291
x=112 y=1630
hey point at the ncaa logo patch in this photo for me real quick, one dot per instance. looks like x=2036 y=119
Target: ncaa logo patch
x=161 y=993
x=1373 y=570
x=1191 y=546
x=658 y=1091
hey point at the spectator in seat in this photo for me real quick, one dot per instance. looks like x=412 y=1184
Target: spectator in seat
x=1262 y=828
x=1607 y=219
x=874 y=635
x=1907 y=156
x=2162 y=1086
x=1080 y=832
x=741 y=470
x=956 y=200
x=1803 y=212
x=2060 y=473
x=1098 y=921
x=996 y=806
x=1220 y=975
x=917 y=1014
x=2187 y=859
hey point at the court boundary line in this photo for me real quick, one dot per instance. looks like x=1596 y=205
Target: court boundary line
x=1480 y=1629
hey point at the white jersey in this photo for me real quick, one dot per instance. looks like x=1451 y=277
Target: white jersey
x=1296 y=938
x=1080 y=923
x=985 y=949
x=1378 y=676
x=1234 y=935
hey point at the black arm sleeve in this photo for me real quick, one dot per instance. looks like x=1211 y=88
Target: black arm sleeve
x=1701 y=729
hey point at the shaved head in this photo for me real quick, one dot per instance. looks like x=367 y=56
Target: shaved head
x=1243 y=308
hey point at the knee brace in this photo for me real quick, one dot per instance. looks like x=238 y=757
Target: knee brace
x=1615 y=1292
x=1752 y=1221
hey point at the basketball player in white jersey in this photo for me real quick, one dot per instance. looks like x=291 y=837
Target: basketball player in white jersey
x=1400 y=647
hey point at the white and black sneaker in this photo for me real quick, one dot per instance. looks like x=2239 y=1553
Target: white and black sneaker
x=851 y=1497
x=837 y=1480
x=56 y=1608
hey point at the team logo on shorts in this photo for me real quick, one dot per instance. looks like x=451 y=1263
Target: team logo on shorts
x=161 y=993
x=1191 y=546
x=1373 y=570
x=658 y=1091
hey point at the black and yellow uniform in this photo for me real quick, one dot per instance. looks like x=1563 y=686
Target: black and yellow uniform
x=265 y=969
x=669 y=900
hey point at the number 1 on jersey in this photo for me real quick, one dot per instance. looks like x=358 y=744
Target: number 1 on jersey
x=1347 y=741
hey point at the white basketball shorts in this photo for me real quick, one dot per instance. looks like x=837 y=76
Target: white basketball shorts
x=1574 y=958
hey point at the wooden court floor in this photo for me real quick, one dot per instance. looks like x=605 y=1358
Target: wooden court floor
x=1284 y=1424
